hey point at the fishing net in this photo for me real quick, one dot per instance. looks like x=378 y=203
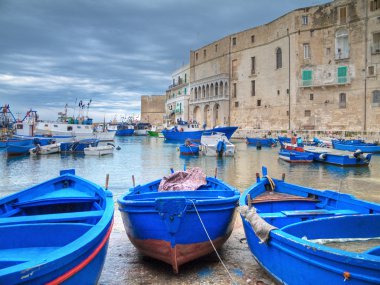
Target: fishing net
x=191 y=179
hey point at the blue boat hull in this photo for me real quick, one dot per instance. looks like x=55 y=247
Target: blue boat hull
x=55 y=233
x=367 y=148
x=341 y=160
x=78 y=147
x=165 y=225
x=262 y=141
x=189 y=149
x=295 y=156
x=176 y=135
x=126 y=132
x=19 y=146
x=303 y=216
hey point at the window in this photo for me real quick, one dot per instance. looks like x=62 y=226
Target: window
x=307 y=113
x=55 y=126
x=343 y=15
x=305 y=20
x=376 y=98
x=216 y=89
x=204 y=53
x=253 y=88
x=252 y=38
x=278 y=92
x=185 y=91
x=328 y=51
x=307 y=77
x=185 y=77
x=374 y=5
x=342 y=74
x=341 y=44
x=216 y=48
x=371 y=71
x=376 y=43
x=20 y=126
x=196 y=56
x=69 y=128
x=306 y=51
x=259 y=103
x=234 y=41
x=342 y=100
x=311 y=96
x=253 y=65
x=236 y=104
x=234 y=69
x=278 y=58
x=234 y=90
x=287 y=113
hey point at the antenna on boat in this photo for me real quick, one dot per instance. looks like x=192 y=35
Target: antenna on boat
x=107 y=180
x=133 y=181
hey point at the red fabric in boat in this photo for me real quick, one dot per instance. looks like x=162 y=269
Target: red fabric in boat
x=191 y=179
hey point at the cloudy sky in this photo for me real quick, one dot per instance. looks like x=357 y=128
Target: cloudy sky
x=59 y=52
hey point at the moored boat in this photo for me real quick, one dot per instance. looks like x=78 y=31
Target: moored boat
x=78 y=146
x=216 y=144
x=56 y=232
x=19 y=147
x=294 y=156
x=354 y=145
x=45 y=149
x=99 y=150
x=124 y=129
x=271 y=142
x=169 y=225
x=189 y=148
x=304 y=236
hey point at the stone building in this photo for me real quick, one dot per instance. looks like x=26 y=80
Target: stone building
x=153 y=109
x=178 y=95
x=313 y=68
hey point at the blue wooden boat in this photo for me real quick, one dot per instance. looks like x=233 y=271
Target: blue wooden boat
x=78 y=146
x=262 y=141
x=341 y=158
x=19 y=146
x=56 y=232
x=189 y=149
x=294 y=156
x=166 y=226
x=354 y=145
x=303 y=236
x=177 y=134
x=124 y=129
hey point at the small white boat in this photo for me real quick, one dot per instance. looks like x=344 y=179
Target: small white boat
x=46 y=149
x=216 y=144
x=99 y=150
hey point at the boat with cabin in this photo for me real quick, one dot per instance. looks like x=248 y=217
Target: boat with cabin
x=305 y=236
x=56 y=232
x=216 y=144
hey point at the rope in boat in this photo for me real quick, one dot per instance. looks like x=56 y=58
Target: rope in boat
x=220 y=259
x=271 y=182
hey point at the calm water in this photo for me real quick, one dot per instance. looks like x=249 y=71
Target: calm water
x=151 y=158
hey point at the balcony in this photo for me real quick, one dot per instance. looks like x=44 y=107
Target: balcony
x=337 y=81
x=342 y=55
x=375 y=48
x=178 y=84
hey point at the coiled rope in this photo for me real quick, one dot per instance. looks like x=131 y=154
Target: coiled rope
x=220 y=259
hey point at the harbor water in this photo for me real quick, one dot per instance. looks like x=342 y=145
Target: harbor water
x=148 y=159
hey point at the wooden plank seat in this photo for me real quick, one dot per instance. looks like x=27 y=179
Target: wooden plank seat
x=52 y=218
x=269 y=196
x=306 y=213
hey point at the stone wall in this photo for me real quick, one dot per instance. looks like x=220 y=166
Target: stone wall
x=153 y=109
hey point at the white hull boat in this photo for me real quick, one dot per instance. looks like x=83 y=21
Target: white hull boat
x=216 y=144
x=99 y=150
x=105 y=136
x=46 y=149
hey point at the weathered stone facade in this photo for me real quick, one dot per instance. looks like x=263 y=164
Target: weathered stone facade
x=153 y=109
x=313 y=68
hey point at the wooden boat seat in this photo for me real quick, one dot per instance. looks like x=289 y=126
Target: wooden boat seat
x=303 y=213
x=280 y=197
x=52 y=218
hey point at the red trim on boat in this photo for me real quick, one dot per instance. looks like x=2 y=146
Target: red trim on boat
x=85 y=262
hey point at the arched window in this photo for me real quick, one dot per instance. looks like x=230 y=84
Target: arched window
x=225 y=89
x=278 y=58
x=342 y=49
x=221 y=89
x=216 y=89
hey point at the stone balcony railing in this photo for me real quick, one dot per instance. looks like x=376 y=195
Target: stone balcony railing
x=209 y=99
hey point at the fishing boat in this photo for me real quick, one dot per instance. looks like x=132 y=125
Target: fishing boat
x=45 y=149
x=124 y=129
x=189 y=148
x=271 y=142
x=99 y=150
x=141 y=129
x=294 y=156
x=19 y=147
x=155 y=132
x=336 y=157
x=304 y=236
x=216 y=144
x=184 y=130
x=354 y=145
x=78 y=146
x=175 y=224
x=56 y=232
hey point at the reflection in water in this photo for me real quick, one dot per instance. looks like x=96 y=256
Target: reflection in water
x=151 y=158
